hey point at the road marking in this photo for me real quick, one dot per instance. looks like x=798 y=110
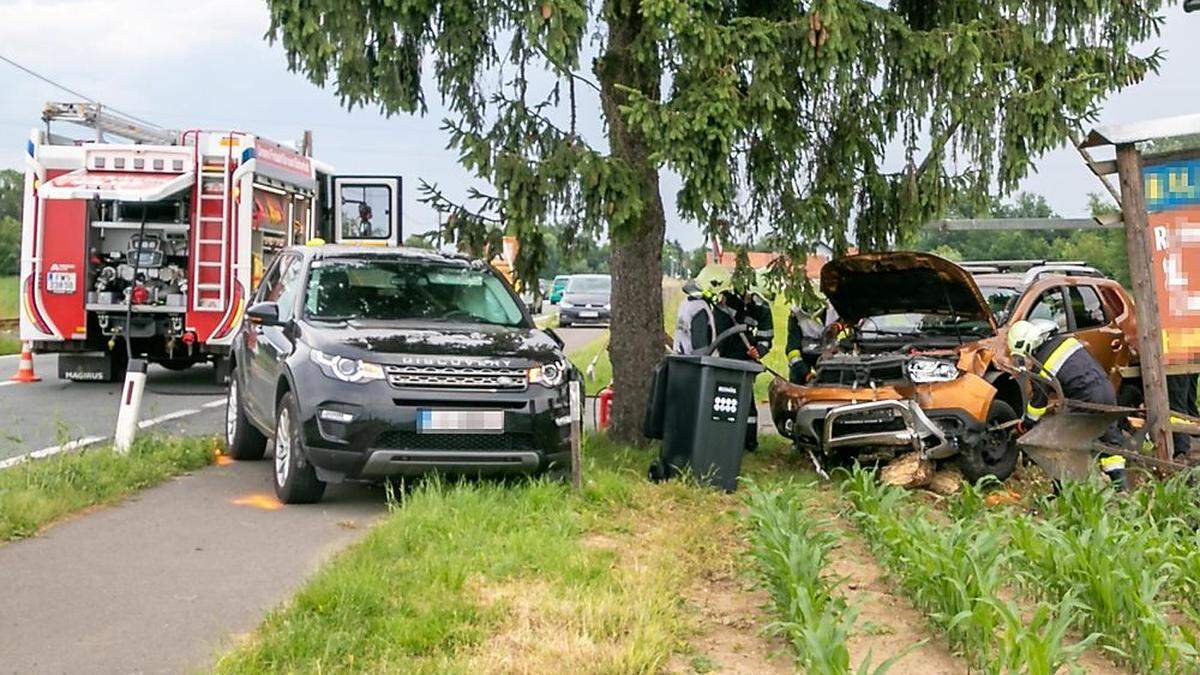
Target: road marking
x=8 y=382
x=92 y=440
x=52 y=450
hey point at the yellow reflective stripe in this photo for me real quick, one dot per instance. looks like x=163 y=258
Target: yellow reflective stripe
x=1112 y=462
x=1035 y=413
x=1059 y=356
x=793 y=355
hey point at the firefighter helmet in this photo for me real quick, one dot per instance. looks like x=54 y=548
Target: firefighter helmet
x=1026 y=336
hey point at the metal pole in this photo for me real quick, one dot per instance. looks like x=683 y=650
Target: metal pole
x=1150 y=348
x=576 y=394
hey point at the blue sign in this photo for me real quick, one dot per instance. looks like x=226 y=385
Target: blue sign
x=1172 y=185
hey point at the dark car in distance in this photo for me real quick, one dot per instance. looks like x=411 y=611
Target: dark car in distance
x=587 y=299
x=364 y=363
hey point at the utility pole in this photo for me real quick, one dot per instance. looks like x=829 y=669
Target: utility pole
x=1137 y=245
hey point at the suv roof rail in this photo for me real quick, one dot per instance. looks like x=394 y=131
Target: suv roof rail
x=1065 y=269
x=996 y=266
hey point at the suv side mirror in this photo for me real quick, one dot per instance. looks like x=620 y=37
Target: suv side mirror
x=264 y=314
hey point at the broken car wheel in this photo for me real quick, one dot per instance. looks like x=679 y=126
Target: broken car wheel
x=995 y=452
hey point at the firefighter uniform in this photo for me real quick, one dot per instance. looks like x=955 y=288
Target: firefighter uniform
x=754 y=311
x=1082 y=379
x=804 y=336
x=695 y=325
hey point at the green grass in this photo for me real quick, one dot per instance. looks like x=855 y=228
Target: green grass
x=9 y=343
x=36 y=493
x=516 y=576
x=8 y=297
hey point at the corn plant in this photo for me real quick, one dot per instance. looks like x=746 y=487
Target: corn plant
x=956 y=574
x=1118 y=555
x=791 y=550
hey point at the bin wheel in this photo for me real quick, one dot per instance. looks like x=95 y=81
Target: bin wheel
x=655 y=473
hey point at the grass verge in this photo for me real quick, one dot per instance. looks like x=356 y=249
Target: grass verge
x=36 y=493
x=516 y=576
x=8 y=297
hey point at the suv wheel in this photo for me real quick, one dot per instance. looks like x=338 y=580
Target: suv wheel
x=995 y=454
x=242 y=440
x=296 y=480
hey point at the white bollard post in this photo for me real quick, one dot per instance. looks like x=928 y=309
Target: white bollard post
x=576 y=399
x=131 y=404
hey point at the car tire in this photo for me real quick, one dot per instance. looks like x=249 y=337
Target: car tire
x=996 y=453
x=295 y=478
x=243 y=442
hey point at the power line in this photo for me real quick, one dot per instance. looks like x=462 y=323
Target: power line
x=70 y=91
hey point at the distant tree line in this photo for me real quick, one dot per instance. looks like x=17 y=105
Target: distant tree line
x=11 y=186
x=1103 y=249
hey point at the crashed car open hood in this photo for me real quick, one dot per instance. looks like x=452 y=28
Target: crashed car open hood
x=871 y=284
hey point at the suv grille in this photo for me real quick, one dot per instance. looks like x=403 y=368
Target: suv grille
x=861 y=371
x=454 y=377
x=409 y=440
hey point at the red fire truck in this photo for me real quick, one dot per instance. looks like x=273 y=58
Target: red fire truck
x=161 y=239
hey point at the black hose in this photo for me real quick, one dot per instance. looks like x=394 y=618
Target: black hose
x=133 y=284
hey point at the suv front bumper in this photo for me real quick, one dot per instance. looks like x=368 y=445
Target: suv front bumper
x=381 y=437
x=894 y=423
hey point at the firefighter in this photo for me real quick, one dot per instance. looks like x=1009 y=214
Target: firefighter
x=695 y=324
x=805 y=335
x=749 y=307
x=1181 y=393
x=1078 y=372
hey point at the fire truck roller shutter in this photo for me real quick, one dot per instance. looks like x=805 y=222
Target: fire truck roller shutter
x=125 y=187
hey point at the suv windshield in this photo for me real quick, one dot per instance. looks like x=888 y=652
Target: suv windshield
x=401 y=290
x=916 y=324
x=1000 y=299
x=590 y=285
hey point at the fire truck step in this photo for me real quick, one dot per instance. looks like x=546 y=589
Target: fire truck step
x=213 y=242
x=211 y=219
x=212 y=196
x=208 y=287
x=204 y=263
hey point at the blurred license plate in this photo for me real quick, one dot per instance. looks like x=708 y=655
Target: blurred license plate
x=589 y=315
x=443 y=421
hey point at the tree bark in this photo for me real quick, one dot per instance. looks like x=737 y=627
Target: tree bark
x=636 y=344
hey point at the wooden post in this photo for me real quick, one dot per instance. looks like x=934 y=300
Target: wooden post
x=1145 y=293
x=576 y=389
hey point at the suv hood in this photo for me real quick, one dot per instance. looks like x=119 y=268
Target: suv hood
x=377 y=342
x=870 y=284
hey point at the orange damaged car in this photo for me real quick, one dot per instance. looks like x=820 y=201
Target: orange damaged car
x=918 y=361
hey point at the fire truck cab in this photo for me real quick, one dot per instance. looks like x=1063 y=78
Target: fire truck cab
x=161 y=240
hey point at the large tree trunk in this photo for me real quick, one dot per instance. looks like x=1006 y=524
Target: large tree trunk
x=637 y=308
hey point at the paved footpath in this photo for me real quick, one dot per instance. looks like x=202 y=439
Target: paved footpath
x=166 y=581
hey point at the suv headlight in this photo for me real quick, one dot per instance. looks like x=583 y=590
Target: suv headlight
x=550 y=374
x=922 y=371
x=344 y=369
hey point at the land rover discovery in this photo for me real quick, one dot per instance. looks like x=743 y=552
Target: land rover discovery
x=364 y=363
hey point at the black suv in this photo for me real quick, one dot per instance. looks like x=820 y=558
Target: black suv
x=364 y=363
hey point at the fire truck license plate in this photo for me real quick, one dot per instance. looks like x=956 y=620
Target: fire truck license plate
x=60 y=282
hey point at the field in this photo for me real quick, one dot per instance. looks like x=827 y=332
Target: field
x=9 y=344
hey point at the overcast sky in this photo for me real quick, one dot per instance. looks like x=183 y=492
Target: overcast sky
x=205 y=63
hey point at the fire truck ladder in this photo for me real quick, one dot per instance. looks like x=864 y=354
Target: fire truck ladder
x=210 y=268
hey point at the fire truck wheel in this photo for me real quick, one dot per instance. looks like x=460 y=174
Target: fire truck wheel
x=995 y=454
x=296 y=480
x=243 y=441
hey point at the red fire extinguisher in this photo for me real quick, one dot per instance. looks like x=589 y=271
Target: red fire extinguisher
x=605 y=403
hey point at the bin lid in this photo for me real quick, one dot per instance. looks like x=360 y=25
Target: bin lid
x=717 y=362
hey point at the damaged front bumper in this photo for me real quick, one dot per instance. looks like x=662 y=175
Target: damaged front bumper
x=895 y=424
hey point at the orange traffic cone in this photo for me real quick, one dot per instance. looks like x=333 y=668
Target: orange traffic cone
x=25 y=370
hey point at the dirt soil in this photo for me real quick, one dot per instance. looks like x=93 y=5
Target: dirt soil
x=731 y=637
x=887 y=623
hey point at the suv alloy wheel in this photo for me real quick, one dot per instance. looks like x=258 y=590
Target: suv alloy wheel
x=242 y=440
x=296 y=480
